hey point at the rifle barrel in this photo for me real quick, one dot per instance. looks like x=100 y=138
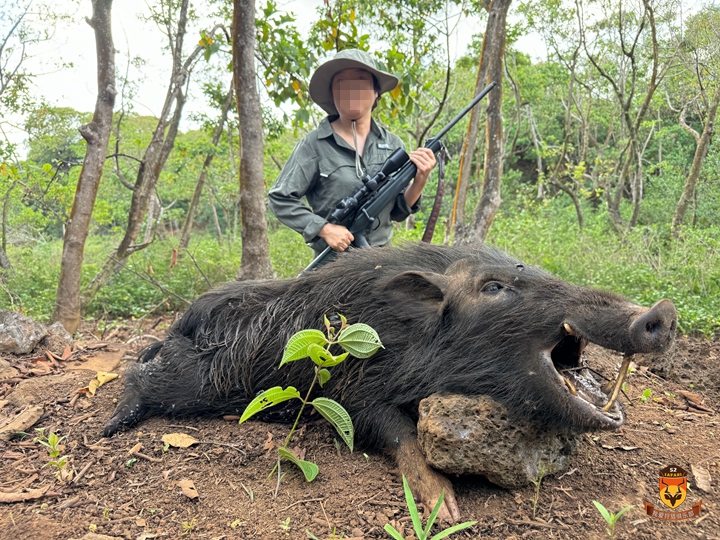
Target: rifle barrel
x=462 y=113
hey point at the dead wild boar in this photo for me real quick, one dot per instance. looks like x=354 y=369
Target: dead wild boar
x=452 y=319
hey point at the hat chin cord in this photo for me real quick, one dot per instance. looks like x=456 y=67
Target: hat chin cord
x=358 y=166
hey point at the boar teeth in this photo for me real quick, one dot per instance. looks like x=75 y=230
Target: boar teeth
x=570 y=386
x=618 y=383
x=569 y=329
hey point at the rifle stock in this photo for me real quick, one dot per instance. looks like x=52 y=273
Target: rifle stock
x=358 y=212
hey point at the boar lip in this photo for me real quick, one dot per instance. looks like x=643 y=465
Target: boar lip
x=567 y=363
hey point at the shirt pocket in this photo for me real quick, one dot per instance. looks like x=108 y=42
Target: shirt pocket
x=336 y=181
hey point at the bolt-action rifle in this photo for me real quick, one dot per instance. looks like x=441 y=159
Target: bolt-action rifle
x=358 y=212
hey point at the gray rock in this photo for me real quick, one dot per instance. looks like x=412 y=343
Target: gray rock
x=19 y=334
x=57 y=338
x=475 y=435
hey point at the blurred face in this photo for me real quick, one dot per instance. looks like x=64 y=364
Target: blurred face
x=353 y=92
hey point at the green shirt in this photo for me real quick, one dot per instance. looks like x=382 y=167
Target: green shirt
x=322 y=169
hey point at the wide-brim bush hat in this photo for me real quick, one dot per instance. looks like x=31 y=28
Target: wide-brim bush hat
x=321 y=80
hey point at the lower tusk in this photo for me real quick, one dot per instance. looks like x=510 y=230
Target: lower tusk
x=569 y=329
x=570 y=386
x=618 y=383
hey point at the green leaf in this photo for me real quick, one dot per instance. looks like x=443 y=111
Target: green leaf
x=603 y=511
x=334 y=413
x=434 y=513
x=323 y=358
x=309 y=469
x=393 y=532
x=319 y=354
x=323 y=377
x=412 y=508
x=621 y=512
x=454 y=528
x=297 y=346
x=267 y=399
x=359 y=340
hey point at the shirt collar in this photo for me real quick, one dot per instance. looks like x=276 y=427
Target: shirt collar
x=325 y=130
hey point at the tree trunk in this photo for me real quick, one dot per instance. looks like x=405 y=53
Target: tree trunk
x=190 y=217
x=494 y=150
x=701 y=151
x=156 y=153
x=457 y=219
x=97 y=135
x=255 y=259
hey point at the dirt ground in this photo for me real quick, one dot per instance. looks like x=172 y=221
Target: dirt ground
x=125 y=492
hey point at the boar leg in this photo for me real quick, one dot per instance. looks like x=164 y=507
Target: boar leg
x=396 y=433
x=425 y=482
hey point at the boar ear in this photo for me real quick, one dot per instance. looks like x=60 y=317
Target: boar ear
x=424 y=289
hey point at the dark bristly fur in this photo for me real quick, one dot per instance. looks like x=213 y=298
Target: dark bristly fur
x=442 y=332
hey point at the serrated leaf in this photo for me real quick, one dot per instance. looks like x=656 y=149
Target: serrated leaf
x=324 y=358
x=297 y=346
x=267 y=399
x=309 y=469
x=323 y=377
x=360 y=340
x=334 y=413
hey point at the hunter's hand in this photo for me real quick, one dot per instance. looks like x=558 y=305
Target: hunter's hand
x=424 y=160
x=336 y=236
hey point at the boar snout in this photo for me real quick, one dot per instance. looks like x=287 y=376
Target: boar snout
x=655 y=329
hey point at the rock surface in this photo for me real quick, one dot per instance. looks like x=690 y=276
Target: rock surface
x=57 y=339
x=19 y=334
x=475 y=435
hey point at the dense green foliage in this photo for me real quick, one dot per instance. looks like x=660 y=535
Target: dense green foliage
x=564 y=133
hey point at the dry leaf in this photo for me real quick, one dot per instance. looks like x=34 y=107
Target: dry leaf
x=299 y=452
x=173 y=258
x=626 y=448
x=269 y=444
x=25 y=496
x=702 y=478
x=22 y=422
x=102 y=378
x=179 y=440
x=105 y=377
x=66 y=353
x=135 y=448
x=140 y=522
x=188 y=488
x=697 y=399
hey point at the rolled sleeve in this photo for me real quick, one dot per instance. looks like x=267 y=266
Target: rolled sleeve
x=401 y=210
x=284 y=198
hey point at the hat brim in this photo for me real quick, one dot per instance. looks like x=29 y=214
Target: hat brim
x=321 y=81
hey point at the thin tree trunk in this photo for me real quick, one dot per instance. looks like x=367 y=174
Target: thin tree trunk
x=156 y=153
x=4 y=260
x=97 y=134
x=701 y=150
x=218 y=230
x=457 y=218
x=190 y=217
x=255 y=262
x=494 y=150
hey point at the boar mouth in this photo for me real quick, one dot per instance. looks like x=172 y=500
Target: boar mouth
x=596 y=403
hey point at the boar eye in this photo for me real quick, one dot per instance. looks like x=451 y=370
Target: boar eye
x=492 y=287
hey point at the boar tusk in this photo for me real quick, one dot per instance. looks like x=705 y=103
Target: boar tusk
x=618 y=383
x=570 y=386
x=569 y=329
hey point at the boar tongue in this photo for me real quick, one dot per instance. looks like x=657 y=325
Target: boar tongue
x=586 y=386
